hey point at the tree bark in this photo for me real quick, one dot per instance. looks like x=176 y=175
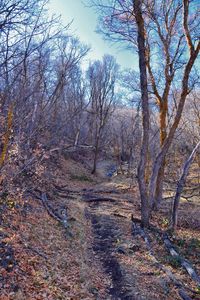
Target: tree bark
x=159 y=187
x=145 y=211
x=163 y=135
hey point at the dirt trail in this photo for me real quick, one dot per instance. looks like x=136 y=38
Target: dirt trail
x=110 y=248
x=108 y=213
x=111 y=242
x=96 y=257
x=114 y=263
x=106 y=233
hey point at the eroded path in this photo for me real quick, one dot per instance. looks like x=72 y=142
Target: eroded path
x=107 y=211
x=106 y=234
x=111 y=248
x=112 y=241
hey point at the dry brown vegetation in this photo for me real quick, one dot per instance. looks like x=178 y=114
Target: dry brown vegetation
x=48 y=261
x=99 y=166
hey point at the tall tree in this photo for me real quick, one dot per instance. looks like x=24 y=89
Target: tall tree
x=102 y=78
x=145 y=211
x=165 y=42
x=173 y=30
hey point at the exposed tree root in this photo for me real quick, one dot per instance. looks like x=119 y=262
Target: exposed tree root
x=100 y=191
x=65 y=189
x=61 y=216
x=98 y=199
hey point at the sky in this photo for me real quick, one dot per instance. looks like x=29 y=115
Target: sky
x=84 y=26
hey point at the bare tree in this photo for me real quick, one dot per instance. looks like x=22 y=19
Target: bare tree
x=193 y=49
x=38 y=62
x=20 y=24
x=129 y=20
x=166 y=32
x=145 y=112
x=102 y=78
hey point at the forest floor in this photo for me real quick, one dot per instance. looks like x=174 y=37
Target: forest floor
x=100 y=255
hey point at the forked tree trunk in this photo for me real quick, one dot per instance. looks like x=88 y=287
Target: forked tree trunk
x=145 y=212
x=180 y=187
x=147 y=193
x=184 y=92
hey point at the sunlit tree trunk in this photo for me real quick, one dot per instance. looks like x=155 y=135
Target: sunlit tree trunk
x=163 y=134
x=76 y=140
x=168 y=141
x=163 y=21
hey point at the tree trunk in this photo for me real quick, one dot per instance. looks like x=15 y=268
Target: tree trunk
x=159 y=186
x=163 y=135
x=145 y=212
x=77 y=137
x=180 y=187
x=7 y=136
x=130 y=160
x=95 y=155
